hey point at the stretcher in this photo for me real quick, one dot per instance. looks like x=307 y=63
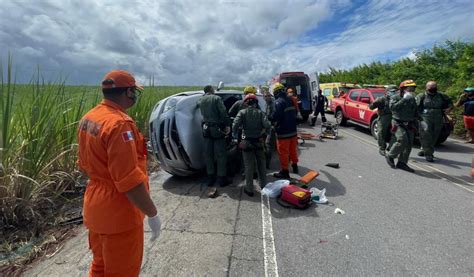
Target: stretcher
x=329 y=130
x=303 y=137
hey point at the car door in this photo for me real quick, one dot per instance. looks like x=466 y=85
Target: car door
x=327 y=93
x=351 y=104
x=314 y=83
x=363 y=105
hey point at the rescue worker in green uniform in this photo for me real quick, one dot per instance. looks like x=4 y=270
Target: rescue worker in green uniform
x=404 y=122
x=240 y=104
x=432 y=105
x=384 y=119
x=215 y=127
x=233 y=111
x=269 y=110
x=255 y=128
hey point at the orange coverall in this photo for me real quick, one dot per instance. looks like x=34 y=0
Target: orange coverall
x=112 y=153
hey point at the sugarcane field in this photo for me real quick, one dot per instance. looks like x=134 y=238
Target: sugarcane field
x=237 y=138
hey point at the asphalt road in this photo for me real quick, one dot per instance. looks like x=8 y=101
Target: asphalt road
x=395 y=223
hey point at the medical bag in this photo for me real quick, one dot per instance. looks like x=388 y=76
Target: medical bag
x=295 y=196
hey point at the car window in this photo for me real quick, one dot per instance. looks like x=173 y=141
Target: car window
x=378 y=94
x=365 y=95
x=335 y=92
x=345 y=89
x=326 y=91
x=354 y=94
x=229 y=99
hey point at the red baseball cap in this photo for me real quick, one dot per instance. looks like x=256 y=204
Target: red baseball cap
x=119 y=79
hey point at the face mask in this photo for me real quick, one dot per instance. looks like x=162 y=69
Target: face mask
x=134 y=96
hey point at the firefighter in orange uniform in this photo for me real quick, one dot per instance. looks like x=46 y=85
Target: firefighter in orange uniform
x=112 y=153
x=284 y=119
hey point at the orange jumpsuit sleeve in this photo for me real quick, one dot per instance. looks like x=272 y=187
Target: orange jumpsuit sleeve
x=122 y=156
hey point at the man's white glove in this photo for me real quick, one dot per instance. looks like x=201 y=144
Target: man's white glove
x=424 y=126
x=155 y=225
x=407 y=95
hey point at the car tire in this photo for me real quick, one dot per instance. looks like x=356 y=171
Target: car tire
x=374 y=128
x=340 y=119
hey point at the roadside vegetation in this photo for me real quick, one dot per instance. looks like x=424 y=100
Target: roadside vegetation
x=40 y=186
x=450 y=64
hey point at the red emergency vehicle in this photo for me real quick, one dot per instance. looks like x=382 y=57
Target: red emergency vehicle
x=301 y=83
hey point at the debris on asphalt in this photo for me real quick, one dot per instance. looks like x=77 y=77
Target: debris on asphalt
x=308 y=177
x=333 y=165
x=273 y=189
x=339 y=211
x=323 y=241
x=347 y=236
x=318 y=196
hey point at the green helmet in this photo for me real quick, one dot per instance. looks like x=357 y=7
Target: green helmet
x=391 y=88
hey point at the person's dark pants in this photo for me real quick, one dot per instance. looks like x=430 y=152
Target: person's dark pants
x=215 y=152
x=315 y=116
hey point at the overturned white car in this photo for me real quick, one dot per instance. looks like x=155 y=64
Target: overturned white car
x=175 y=130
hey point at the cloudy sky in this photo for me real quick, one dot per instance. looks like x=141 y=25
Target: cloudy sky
x=239 y=42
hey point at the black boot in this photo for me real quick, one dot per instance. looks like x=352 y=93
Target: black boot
x=249 y=193
x=295 y=168
x=268 y=159
x=283 y=174
x=313 y=121
x=429 y=159
x=211 y=179
x=390 y=161
x=404 y=166
x=222 y=181
x=421 y=153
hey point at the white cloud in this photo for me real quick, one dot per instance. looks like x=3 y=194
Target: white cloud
x=199 y=42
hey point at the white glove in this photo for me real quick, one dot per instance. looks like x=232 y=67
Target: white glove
x=424 y=126
x=407 y=95
x=155 y=226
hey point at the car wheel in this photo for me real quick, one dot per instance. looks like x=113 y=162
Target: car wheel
x=374 y=128
x=340 y=119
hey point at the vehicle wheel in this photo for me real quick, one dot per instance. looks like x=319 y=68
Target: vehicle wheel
x=374 y=128
x=340 y=119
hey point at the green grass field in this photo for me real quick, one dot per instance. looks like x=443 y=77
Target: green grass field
x=38 y=150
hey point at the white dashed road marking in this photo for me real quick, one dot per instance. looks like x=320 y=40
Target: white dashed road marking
x=269 y=253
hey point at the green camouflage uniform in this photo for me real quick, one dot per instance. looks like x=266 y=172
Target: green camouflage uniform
x=404 y=121
x=384 y=120
x=255 y=126
x=215 y=117
x=271 y=146
x=236 y=107
x=431 y=108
